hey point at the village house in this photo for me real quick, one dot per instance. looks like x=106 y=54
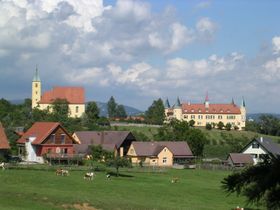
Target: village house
x=261 y=147
x=75 y=97
x=160 y=153
x=207 y=113
x=45 y=138
x=4 y=143
x=239 y=160
x=113 y=141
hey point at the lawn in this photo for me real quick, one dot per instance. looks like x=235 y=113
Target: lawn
x=38 y=189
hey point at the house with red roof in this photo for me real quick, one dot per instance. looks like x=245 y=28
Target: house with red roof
x=4 y=143
x=160 y=153
x=45 y=138
x=75 y=96
x=207 y=113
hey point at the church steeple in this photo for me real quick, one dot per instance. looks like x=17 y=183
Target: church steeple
x=178 y=103
x=206 y=102
x=36 y=77
x=243 y=102
x=36 y=89
x=167 y=104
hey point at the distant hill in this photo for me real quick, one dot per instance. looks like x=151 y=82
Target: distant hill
x=17 y=101
x=130 y=111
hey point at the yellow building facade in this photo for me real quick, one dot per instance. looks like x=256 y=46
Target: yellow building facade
x=74 y=96
x=206 y=113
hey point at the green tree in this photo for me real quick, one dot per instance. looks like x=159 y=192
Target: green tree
x=191 y=123
x=120 y=111
x=155 y=113
x=60 y=108
x=208 y=126
x=196 y=139
x=118 y=162
x=220 y=125
x=92 y=111
x=112 y=107
x=228 y=126
x=259 y=183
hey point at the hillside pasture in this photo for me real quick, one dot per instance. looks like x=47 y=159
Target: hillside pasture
x=42 y=189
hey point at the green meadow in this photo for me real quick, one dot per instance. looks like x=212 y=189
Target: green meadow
x=135 y=189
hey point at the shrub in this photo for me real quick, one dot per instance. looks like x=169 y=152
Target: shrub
x=208 y=126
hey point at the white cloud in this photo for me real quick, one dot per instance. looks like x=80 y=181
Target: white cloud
x=206 y=28
x=179 y=68
x=276 y=44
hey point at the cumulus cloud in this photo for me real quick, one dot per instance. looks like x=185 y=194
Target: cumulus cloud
x=276 y=44
x=206 y=28
x=182 y=68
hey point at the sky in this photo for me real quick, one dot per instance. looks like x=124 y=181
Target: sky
x=139 y=51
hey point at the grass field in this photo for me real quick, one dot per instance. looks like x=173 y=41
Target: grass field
x=37 y=189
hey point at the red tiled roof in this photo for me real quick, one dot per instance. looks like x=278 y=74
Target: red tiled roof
x=212 y=109
x=40 y=130
x=239 y=158
x=4 y=143
x=74 y=95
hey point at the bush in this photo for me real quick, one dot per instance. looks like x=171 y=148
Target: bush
x=228 y=126
x=220 y=125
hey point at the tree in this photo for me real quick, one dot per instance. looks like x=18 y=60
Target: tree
x=155 y=113
x=196 y=139
x=191 y=123
x=220 y=125
x=92 y=111
x=259 y=183
x=112 y=107
x=118 y=162
x=208 y=126
x=181 y=131
x=120 y=111
x=228 y=126
x=60 y=108
x=99 y=154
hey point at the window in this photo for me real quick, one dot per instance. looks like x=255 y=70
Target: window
x=255 y=145
x=36 y=85
x=254 y=155
x=192 y=116
x=164 y=160
x=62 y=138
x=77 y=109
x=53 y=138
x=220 y=117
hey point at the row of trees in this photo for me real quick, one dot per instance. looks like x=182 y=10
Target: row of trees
x=266 y=124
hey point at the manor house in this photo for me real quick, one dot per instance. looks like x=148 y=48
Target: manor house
x=207 y=113
x=75 y=97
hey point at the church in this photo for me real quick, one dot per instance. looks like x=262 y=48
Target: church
x=207 y=113
x=74 y=95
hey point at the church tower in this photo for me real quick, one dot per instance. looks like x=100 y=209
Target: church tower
x=243 y=113
x=36 y=89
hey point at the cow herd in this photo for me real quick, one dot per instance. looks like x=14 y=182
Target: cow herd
x=87 y=176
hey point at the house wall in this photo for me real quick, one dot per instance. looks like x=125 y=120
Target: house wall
x=58 y=133
x=56 y=149
x=165 y=157
x=255 y=152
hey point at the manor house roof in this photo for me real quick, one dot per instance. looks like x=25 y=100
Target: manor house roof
x=188 y=108
x=74 y=95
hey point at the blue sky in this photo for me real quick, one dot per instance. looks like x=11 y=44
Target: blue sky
x=138 y=51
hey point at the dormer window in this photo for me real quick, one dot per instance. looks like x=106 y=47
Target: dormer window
x=199 y=110
x=192 y=110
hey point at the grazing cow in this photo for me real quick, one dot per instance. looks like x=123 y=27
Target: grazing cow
x=89 y=175
x=174 y=180
x=62 y=172
x=2 y=165
x=108 y=176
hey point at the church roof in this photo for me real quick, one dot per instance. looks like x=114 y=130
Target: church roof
x=74 y=95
